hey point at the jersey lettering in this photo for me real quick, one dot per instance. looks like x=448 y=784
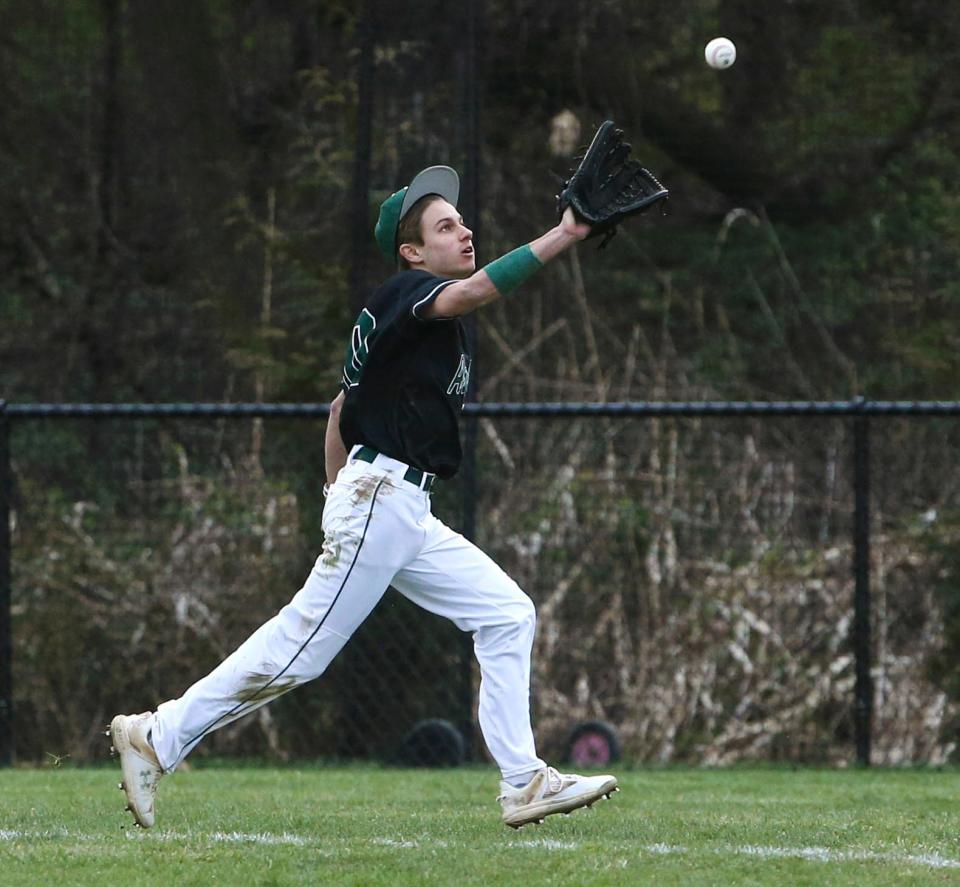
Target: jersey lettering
x=359 y=348
x=461 y=378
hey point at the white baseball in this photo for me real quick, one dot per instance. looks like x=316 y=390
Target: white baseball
x=720 y=53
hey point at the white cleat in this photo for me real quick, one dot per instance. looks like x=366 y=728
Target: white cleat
x=551 y=792
x=141 y=769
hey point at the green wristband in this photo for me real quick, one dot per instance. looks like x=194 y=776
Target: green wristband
x=509 y=271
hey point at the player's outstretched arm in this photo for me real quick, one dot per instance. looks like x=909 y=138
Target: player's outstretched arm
x=502 y=276
x=334 y=452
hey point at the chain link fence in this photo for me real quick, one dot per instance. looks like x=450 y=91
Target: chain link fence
x=695 y=581
x=693 y=575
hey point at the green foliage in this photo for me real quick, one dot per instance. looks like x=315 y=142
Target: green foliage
x=140 y=251
x=117 y=595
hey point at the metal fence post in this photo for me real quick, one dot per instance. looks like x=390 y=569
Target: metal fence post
x=6 y=633
x=863 y=690
x=360 y=229
x=470 y=206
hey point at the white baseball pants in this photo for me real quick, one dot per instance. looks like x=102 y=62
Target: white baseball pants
x=379 y=531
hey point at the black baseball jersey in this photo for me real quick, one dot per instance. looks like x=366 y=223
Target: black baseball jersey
x=405 y=377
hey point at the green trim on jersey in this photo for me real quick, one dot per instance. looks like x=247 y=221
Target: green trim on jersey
x=358 y=348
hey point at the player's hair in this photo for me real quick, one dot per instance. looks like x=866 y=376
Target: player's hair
x=409 y=230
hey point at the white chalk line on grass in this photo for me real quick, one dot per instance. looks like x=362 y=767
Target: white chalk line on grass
x=815 y=854
x=288 y=839
x=393 y=842
x=7 y=834
x=285 y=839
x=546 y=843
x=133 y=834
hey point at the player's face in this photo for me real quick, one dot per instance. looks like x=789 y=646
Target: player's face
x=447 y=243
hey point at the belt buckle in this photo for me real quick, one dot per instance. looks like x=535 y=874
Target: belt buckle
x=422 y=480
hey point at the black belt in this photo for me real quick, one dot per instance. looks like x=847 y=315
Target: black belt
x=421 y=479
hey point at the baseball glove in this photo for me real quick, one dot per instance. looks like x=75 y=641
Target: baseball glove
x=609 y=186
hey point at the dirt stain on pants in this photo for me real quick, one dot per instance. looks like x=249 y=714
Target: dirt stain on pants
x=366 y=485
x=331 y=552
x=263 y=688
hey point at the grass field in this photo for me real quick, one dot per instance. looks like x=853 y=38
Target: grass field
x=355 y=826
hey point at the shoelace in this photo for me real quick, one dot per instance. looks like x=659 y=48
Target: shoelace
x=555 y=779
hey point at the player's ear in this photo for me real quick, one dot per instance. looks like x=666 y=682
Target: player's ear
x=410 y=252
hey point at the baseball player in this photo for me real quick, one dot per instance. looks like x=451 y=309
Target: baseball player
x=393 y=430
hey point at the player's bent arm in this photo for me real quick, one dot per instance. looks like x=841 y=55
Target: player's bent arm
x=508 y=272
x=334 y=452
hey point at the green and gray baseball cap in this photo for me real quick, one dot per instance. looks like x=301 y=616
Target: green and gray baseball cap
x=440 y=180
